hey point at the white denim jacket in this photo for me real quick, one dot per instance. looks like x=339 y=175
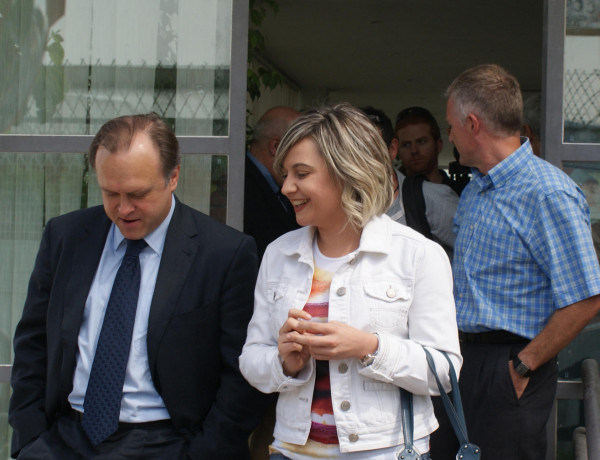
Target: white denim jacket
x=396 y=277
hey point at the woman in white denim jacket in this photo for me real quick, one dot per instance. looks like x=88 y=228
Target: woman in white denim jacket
x=390 y=295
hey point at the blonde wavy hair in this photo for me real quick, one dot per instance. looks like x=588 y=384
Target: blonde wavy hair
x=356 y=157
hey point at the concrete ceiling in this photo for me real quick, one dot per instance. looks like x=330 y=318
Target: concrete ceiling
x=396 y=53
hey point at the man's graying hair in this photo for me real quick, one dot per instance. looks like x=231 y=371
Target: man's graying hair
x=492 y=94
x=355 y=154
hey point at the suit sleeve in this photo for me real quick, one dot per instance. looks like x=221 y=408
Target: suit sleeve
x=28 y=380
x=238 y=407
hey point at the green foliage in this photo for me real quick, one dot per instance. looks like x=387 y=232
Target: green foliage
x=50 y=89
x=258 y=76
x=256 y=43
x=22 y=45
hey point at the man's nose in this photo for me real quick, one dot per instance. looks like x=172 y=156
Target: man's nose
x=125 y=206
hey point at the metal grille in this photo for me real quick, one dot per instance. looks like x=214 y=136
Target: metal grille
x=195 y=100
x=582 y=98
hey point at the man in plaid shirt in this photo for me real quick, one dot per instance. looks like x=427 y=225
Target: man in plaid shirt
x=526 y=277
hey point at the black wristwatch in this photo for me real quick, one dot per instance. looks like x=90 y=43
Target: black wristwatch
x=521 y=368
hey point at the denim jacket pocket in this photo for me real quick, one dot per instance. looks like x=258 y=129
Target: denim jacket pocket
x=389 y=301
x=278 y=306
x=276 y=290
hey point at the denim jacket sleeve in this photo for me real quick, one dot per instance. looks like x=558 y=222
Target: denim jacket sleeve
x=431 y=323
x=260 y=363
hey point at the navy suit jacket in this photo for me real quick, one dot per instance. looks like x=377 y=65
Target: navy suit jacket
x=202 y=303
x=265 y=218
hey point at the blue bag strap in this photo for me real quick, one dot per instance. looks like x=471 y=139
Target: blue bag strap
x=455 y=412
x=406 y=410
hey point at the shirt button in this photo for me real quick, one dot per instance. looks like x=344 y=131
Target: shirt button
x=343 y=368
x=345 y=405
x=353 y=437
x=341 y=291
x=352 y=258
x=390 y=292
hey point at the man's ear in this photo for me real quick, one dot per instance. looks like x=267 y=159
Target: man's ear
x=273 y=144
x=474 y=123
x=393 y=149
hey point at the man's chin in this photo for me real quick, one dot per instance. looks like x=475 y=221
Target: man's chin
x=132 y=230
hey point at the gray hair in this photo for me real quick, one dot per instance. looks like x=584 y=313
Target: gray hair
x=491 y=93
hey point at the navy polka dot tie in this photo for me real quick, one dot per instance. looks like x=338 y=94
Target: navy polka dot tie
x=102 y=403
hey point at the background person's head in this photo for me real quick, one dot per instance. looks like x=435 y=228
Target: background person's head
x=532 y=113
x=384 y=125
x=136 y=159
x=268 y=132
x=354 y=153
x=419 y=141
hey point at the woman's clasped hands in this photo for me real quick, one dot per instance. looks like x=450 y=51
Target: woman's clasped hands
x=299 y=339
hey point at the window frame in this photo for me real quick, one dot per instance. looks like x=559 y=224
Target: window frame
x=554 y=149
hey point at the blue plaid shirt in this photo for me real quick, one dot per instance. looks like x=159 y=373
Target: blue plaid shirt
x=523 y=247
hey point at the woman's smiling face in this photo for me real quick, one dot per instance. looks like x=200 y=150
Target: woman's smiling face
x=316 y=198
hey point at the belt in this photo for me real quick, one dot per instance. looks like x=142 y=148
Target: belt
x=124 y=426
x=493 y=337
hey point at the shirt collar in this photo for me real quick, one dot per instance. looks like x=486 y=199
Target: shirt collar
x=155 y=239
x=264 y=171
x=374 y=238
x=503 y=171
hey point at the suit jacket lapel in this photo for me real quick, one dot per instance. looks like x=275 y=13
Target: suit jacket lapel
x=179 y=251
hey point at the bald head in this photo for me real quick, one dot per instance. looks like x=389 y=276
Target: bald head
x=274 y=123
x=268 y=133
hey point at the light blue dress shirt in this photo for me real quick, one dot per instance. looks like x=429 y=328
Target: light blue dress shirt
x=141 y=402
x=523 y=247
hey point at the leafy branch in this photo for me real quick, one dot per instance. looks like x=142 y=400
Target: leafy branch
x=256 y=44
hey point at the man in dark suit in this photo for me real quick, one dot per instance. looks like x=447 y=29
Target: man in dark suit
x=267 y=213
x=181 y=395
